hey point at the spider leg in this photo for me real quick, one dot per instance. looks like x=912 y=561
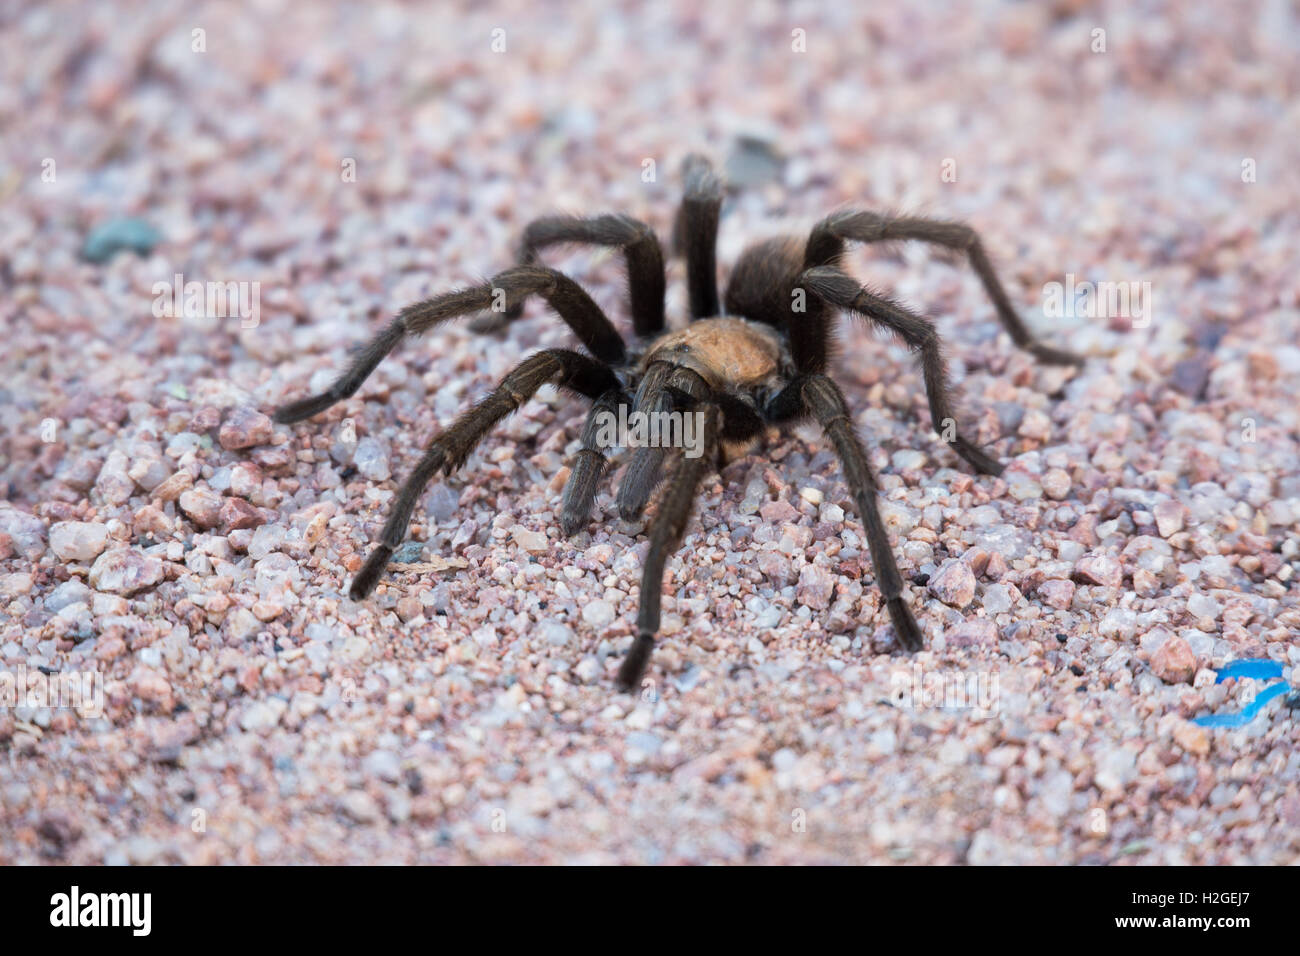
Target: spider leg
x=741 y=421
x=448 y=451
x=665 y=534
x=580 y=490
x=695 y=234
x=664 y=389
x=645 y=466
x=818 y=394
x=645 y=263
x=565 y=296
x=826 y=244
x=839 y=290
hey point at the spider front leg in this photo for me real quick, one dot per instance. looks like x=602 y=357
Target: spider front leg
x=840 y=291
x=584 y=479
x=818 y=394
x=826 y=245
x=447 y=452
x=666 y=532
x=645 y=467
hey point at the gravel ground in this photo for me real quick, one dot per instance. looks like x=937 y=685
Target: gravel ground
x=160 y=535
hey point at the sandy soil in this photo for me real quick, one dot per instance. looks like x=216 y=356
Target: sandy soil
x=162 y=540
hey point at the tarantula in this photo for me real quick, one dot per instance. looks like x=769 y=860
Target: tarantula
x=759 y=358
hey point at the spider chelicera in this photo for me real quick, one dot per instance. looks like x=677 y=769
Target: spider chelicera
x=759 y=358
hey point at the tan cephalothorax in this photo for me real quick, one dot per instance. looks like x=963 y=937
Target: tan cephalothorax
x=730 y=354
x=726 y=352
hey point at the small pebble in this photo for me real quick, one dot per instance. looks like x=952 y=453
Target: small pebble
x=125 y=571
x=1174 y=662
x=78 y=540
x=816 y=586
x=245 y=428
x=371 y=460
x=954 y=585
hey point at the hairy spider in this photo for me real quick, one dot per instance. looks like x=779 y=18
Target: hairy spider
x=760 y=360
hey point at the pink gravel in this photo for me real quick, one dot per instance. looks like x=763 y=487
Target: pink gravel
x=160 y=535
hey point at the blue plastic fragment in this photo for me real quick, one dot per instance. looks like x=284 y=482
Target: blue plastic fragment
x=1248 y=712
x=1258 y=668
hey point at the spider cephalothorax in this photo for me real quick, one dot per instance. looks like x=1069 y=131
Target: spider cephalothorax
x=760 y=362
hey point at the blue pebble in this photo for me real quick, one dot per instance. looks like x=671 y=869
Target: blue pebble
x=112 y=237
x=409 y=553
